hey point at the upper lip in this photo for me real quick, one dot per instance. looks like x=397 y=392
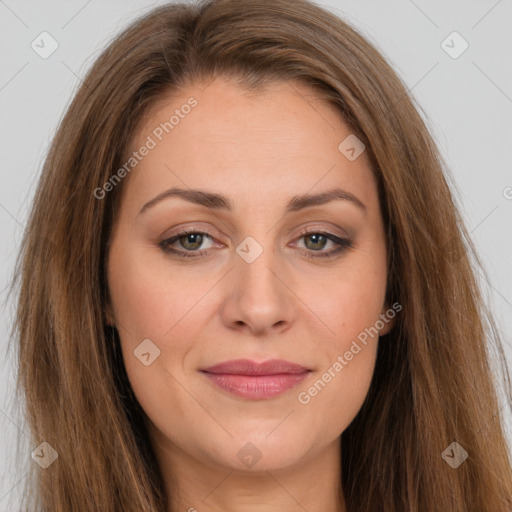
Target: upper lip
x=248 y=367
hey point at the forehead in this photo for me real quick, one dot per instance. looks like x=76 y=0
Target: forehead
x=281 y=139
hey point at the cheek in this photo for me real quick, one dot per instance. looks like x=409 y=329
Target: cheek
x=147 y=302
x=351 y=307
x=352 y=300
x=339 y=392
x=341 y=384
x=151 y=304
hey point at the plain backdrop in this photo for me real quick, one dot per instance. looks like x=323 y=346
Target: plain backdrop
x=465 y=96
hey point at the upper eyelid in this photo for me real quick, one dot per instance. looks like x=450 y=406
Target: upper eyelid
x=303 y=232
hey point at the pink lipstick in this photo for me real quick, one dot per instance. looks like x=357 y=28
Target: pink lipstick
x=249 y=379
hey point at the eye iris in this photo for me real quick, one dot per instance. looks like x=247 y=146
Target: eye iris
x=197 y=237
x=317 y=239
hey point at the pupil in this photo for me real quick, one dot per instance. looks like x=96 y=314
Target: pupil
x=316 y=239
x=193 y=236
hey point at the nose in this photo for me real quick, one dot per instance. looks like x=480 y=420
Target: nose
x=258 y=300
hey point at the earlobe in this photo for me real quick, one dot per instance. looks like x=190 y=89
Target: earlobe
x=387 y=327
x=387 y=321
x=108 y=316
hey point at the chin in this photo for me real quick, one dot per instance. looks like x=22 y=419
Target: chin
x=257 y=453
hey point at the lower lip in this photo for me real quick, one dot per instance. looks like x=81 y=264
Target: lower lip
x=256 y=387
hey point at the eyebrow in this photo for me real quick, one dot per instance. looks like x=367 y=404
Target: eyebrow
x=218 y=201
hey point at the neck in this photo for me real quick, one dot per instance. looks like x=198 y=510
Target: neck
x=197 y=486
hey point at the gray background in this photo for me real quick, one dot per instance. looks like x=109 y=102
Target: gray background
x=466 y=101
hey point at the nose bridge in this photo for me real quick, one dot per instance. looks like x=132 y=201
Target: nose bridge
x=258 y=297
x=257 y=265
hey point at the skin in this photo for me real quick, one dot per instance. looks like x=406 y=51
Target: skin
x=260 y=150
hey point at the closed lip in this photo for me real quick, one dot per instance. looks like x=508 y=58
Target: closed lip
x=249 y=367
x=254 y=380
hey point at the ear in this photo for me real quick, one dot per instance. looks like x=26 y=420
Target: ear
x=108 y=315
x=388 y=318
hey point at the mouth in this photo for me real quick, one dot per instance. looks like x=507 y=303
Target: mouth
x=256 y=381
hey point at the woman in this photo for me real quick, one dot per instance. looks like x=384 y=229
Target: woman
x=244 y=284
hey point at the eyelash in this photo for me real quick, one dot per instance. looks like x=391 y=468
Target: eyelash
x=343 y=244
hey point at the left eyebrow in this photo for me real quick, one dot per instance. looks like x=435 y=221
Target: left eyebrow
x=218 y=201
x=307 y=200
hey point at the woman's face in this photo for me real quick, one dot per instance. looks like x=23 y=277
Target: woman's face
x=272 y=270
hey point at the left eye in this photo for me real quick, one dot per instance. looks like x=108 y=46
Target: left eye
x=317 y=240
x=192 y=241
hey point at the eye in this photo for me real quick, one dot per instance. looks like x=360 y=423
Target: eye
x=191 y=244
x=315 y=241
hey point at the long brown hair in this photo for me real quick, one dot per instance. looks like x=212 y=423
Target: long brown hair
x=438 y=371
